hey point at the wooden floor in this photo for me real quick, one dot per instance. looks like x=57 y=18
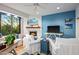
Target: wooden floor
x=19 y=49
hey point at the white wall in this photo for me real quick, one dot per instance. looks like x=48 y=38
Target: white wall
x=77 y=11
x=77 y=21
x=21 y=14
x=24 y=26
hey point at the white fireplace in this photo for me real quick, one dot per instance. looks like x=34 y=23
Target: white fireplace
x=34 y=28
x=34 y=31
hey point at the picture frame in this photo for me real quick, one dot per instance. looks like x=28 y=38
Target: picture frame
x=69 y=23
x=32 y=21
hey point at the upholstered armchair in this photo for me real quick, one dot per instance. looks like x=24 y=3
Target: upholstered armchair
x=32 y=46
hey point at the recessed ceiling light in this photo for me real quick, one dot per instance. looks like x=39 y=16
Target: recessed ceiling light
x=58 y=8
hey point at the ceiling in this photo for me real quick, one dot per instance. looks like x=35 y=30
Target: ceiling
x=43 y=9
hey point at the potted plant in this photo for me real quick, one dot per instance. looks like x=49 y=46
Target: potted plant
x=9 y=39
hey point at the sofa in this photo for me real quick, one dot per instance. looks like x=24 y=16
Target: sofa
x=64 y=46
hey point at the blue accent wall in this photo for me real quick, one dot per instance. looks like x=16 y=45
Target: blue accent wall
x=59 y=19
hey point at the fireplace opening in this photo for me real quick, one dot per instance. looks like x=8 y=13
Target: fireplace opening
x=34 y=33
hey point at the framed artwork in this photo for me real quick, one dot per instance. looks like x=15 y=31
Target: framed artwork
x=32 y=21
x=68 y=23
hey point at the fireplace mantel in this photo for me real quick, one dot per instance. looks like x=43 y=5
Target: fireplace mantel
x=32 y=27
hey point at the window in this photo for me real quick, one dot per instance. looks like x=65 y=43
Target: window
x=9 y=24
x=16 y=24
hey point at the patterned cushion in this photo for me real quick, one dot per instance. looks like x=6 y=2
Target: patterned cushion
x=51 y=36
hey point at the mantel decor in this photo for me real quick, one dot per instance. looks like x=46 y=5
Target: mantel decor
x=32 y=27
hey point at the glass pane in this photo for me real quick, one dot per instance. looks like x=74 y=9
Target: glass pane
x=16 y=25
x=5 y=24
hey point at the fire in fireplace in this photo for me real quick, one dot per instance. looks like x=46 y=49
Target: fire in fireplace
x=34 y=33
